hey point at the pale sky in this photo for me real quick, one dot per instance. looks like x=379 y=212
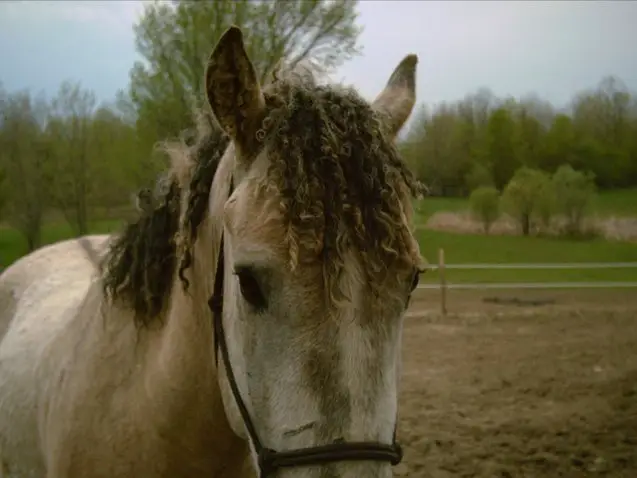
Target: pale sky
x=514 y=48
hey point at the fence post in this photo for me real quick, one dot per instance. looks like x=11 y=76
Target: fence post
x=443 y=281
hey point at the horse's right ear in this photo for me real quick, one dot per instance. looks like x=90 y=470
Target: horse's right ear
x=233 y=90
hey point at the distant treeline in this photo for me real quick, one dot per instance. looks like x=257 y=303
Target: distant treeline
x=482 y=140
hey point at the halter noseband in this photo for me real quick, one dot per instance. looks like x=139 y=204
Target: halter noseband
x=270 y=460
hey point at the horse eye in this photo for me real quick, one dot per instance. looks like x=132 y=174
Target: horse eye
x=250 y=288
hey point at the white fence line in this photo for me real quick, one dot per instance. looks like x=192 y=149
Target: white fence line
x=443 y=285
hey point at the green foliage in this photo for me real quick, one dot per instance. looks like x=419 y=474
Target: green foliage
x=485 y=206
x=559 y=143
x=176 y=38
x=68 y=131
x=500 y=146
x=23 y=155
x=522 y=196
x=546 y=205
x=574 y=191
x=453 y=144
x=67 y=155
x=3 y=190
x=479 y=176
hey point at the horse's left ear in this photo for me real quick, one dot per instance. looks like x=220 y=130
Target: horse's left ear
x=397 y=100
x=233 y=90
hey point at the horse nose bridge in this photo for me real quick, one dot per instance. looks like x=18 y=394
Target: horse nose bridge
x=367 y=378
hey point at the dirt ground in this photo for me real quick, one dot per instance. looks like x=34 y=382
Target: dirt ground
x=510 y=391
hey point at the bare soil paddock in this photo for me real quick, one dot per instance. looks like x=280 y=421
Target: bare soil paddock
x=506 y=391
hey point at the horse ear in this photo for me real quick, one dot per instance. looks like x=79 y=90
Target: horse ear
x=233 y=90
x=397 y=100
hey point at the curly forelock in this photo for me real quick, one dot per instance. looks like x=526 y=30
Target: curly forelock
x=341 y=180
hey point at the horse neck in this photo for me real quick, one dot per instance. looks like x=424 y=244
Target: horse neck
x=188 y=332
x=181 y=371
x=185 y=352
x=187 y=345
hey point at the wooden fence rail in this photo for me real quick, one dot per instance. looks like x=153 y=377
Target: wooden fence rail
x=443 y=285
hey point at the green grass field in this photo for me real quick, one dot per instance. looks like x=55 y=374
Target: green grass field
x=459 y=248
x=425 y=208
x=471 y=249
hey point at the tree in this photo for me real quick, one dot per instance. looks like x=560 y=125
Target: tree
x=23 y=158
x=440 y=148
x=603 y=119
x=559 y=144
x=74 y=175
x=117 y=164
x=175 y=40
x=574 y=191
x=479 y=176
x=529 y=135
x=411 y=147
x=546 y=204
x=482 y=139
x=501 y=146
x=3 y=173
x=523 y=194
x=485 y=206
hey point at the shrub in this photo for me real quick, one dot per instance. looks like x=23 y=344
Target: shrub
x=574 y=192
x=523 y=195
x=484 y=204
x=545 y=206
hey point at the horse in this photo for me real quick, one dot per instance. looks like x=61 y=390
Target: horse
x=250 y=323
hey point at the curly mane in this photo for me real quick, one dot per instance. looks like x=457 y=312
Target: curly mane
x=342 y=182
x=341 y=185
x=140 y=264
